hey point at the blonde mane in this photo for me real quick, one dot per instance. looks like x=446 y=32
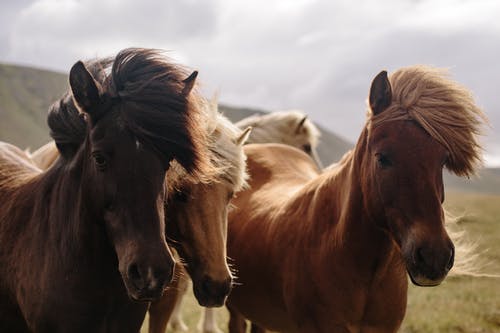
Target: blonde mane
x=281 y=127
x=443 y=108
x=226 y=155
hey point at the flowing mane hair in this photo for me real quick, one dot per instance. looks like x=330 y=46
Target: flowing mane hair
x=280 y=126
x=226 y=156
x=144 y=85
x=443 y=108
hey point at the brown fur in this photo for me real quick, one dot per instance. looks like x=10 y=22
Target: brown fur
x=329 y=252
x=84 y=237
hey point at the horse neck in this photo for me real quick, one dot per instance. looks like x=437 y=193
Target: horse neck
x=60 y=206
x=335 y=217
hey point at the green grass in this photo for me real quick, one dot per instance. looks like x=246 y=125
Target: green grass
x=25 y=96
x=458 y=305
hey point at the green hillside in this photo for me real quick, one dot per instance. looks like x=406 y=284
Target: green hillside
x=25 y=96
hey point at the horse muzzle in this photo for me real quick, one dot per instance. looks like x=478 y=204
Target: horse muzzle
x=212 y=293
x=145 y=283
x=427 y=267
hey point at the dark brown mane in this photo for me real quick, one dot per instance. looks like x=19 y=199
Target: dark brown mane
x=151 y=85
x=144 y=85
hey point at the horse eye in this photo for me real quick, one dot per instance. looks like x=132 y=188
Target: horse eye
x=383 y=160
x=307 y=148
x=100 y=161
x=230 y=195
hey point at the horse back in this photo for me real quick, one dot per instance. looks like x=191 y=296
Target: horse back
x=274 y=162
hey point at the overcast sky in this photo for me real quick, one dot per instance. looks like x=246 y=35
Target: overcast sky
x=318 y=56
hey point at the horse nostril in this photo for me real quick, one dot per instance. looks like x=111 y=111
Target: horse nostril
x=419 y=256
x=207 y=286
x=134 y=275
x=452 y=259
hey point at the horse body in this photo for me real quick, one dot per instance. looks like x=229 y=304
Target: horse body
x=329 y=252
x=83 y=245
x=301 y=237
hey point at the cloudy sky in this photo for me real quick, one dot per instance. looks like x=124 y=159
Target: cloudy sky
x=318 y=56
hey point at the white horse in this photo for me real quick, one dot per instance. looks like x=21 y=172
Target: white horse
x=291 y=127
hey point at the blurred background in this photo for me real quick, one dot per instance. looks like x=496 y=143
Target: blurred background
x=266 y=55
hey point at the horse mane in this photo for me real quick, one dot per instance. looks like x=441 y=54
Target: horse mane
x=443 y=108
x=148 y=90
x=226 y=156
x=16 y=165
x=281 y=126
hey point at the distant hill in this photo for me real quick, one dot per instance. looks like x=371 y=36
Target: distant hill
x=26 y=94
x=486 y=181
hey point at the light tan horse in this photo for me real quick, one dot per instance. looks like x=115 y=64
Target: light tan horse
x=330 y=252
x=197 y=221
x=290 y=127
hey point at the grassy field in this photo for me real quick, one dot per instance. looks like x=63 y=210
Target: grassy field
x=458 y=305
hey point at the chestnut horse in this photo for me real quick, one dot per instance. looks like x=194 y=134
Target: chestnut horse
x=83 y=242
x=196 y=223
x=288 y=127
x=329 y=252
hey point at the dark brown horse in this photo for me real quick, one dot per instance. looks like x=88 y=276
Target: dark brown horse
x=82 y=244
x=330 y=252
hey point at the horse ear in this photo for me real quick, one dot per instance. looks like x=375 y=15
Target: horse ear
x=244 y=136
x=300 y=124
x=189 y=83
x=380 y=93
x=85 y=90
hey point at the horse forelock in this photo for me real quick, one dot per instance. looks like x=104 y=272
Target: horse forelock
x=147 y=89
x=443 y=108
x=157 y=111
x=227 y=154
